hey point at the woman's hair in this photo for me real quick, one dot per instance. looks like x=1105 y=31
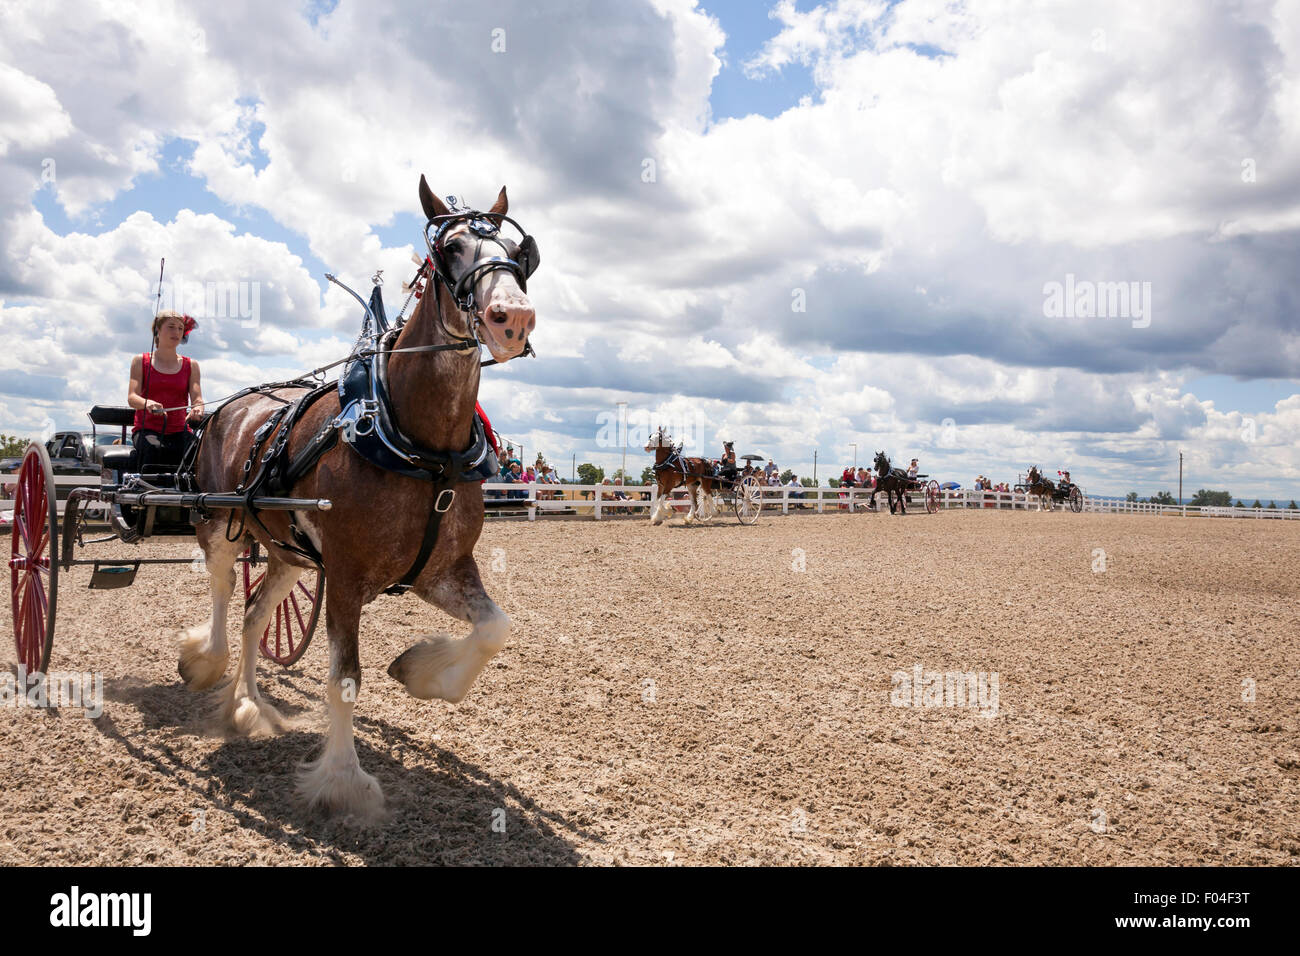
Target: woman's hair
x=166 y=314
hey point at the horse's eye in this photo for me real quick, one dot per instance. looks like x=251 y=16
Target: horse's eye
x=451 y=248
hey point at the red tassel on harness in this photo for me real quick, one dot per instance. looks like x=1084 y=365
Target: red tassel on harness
x=487 y=427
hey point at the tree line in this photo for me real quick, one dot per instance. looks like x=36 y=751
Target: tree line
x=1204 y=498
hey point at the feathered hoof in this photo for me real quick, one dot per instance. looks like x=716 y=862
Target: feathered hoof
x=251 y=717
x=199 y=669
x=439 y=667
x=340 y=788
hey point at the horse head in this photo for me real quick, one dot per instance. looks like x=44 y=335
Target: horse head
x=485 y=271
x=660 y=439
x=882 y=463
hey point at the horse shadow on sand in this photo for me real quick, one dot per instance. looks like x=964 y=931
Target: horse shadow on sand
x=439 y=808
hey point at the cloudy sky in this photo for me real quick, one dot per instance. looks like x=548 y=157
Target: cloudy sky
x=797 y=226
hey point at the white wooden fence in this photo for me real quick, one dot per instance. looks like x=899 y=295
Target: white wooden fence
x=602 y=501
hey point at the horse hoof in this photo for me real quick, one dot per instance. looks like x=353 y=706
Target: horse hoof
x=341 y=788
x=199 y=669
x=251 y=717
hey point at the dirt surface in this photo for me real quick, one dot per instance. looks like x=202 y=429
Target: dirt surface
x=686 y=695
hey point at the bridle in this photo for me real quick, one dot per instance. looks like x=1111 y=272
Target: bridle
x=520 y=260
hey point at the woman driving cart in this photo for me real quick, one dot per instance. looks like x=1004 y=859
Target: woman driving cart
x=163 y=383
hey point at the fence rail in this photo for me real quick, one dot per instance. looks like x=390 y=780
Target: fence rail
x=602 y=501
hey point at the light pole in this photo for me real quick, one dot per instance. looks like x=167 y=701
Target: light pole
x=1180 y=479
x=623 y=406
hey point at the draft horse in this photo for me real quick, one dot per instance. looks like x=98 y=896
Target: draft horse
x=1040 y=487
x=673 y=470
x=378 y=530
x=893 y=482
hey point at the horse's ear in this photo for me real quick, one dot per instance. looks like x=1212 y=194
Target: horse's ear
x=432 y=204
x=502 y=204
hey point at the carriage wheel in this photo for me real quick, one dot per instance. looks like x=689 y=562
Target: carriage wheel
x=931 y=497
x=1076 y=500
x=33 y=570
x=295 y=617
x=747 y=499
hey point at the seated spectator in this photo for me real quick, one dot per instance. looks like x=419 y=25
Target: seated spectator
x=620 y=495
x=770 y=469
x=792 y=484
x=515 y=475
x=774 y=480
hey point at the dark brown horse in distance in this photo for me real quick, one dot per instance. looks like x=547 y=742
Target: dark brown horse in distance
x=893 y=482
x=374 y=532
x=1040 y=487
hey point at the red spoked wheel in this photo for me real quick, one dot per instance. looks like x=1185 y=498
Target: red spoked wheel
x=295 y=617
x=33 y=570
x=931 y=496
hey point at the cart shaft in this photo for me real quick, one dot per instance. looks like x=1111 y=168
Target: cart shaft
x=169 y=499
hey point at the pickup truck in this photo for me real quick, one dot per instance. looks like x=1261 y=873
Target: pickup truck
x=71 y=453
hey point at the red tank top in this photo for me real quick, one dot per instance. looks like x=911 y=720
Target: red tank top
x=170 y=391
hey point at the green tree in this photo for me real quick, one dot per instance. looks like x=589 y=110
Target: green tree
x=1205 y=498
x=1272 y=504
x=1163 y=498
x=11 y=446
x=589 y=474
x=648 y=475
x=1257 y=504
x=1292 y=505
x=1131 y=496
x=832 y=482
x=1239 y=504
x=786 y=476
x=809 y=483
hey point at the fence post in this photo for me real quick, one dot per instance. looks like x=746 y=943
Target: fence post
x=532 y=504
x=821 y=506
x=599 y=495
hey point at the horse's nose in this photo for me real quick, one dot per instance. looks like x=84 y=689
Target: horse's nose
x=513 y=316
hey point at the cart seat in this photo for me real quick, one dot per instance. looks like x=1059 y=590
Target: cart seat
x=112 y=415
x=118 y=458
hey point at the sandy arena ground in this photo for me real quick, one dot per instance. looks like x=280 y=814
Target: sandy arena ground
x=684 y=695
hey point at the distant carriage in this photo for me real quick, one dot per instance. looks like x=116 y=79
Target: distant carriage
x=899 y=487
x=705 y=482
x=1049 y=492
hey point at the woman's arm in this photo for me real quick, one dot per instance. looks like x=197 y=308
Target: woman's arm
x=196 y=393
x=134 y=393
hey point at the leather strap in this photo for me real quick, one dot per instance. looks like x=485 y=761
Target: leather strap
x=443 y=497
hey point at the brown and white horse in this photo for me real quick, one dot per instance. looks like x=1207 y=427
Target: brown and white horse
x=672 y=470
x=374 y=531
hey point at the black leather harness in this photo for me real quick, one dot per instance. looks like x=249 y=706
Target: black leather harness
x=365 y=420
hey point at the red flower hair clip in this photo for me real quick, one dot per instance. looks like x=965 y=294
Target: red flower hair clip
x=190 y=326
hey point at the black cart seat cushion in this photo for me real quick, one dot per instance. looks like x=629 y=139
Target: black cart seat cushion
x=112 y=415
